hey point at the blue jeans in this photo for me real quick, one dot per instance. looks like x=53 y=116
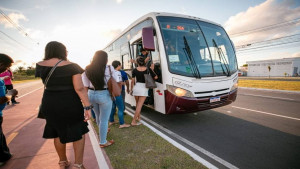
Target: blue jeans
x=102 y=103
x=119 y=103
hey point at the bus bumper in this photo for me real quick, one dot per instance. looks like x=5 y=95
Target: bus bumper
x=181 y=105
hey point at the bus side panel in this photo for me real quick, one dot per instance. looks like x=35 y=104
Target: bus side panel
x=159 y=98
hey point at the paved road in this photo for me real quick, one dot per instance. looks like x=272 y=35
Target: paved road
x=260 y=130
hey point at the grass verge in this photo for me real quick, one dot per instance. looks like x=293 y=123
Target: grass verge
x=139 y=147
x=271 y=84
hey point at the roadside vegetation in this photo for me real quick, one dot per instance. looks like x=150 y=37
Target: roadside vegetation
x=139 y=147
x=270 y=84
x=22 y=75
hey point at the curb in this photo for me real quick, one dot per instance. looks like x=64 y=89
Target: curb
x=273 y=90
x=101 y=156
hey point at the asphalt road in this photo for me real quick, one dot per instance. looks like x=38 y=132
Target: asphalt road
x=260 y=130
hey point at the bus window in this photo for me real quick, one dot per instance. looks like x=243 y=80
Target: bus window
x=126 y=62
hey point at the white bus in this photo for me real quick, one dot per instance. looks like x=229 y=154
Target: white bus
x=194 y=59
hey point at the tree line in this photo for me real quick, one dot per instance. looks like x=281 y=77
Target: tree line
x=29 y=71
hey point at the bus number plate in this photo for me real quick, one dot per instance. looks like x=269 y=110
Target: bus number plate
x=214 y=99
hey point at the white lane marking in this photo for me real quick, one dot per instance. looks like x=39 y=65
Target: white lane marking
x=282 y=98
x=257 y=111
x=29 y=92
x=97 y=150
x=181 y=147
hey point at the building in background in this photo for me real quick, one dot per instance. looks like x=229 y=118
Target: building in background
x=275 y=67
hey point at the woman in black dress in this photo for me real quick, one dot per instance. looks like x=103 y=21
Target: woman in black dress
x=138 y=87
x=62 y=103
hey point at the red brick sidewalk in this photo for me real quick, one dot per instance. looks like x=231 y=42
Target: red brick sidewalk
x=24 y=132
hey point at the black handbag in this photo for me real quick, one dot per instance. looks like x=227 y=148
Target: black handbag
x=41 y=114
x=149 y=81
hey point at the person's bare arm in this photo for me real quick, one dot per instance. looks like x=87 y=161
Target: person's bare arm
x=132 y=84
x=82 y=93
x=127 y=86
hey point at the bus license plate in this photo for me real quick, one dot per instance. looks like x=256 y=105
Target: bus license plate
x=214 y=99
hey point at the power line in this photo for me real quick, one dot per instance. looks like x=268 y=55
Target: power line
x=15 y=40
x=20 y=28
x=267 y=46
x=280 y=39
x=269 y=27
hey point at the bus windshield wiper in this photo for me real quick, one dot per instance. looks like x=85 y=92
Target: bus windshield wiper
x=222 y=57
x=191 y=60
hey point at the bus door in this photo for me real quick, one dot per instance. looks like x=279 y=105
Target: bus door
x=159 y=98
x=149 y=42
x=127 y=66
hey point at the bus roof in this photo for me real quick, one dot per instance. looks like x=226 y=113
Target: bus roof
x=153 y=15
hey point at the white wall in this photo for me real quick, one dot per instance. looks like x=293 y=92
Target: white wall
x=278 y=67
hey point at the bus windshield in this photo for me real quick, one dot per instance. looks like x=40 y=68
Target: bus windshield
x=195 y=48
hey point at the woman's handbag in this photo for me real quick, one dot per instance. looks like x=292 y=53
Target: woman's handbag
x=41 y=114
x=149 y=81
x=113 y=87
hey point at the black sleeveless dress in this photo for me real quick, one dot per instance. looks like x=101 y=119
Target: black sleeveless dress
x=61 y=105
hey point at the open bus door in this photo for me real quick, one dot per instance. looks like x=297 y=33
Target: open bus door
x=149 y=41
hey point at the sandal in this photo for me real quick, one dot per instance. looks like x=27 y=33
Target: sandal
x=124 y=126
x=64 y=164
x=110 y=142
x=80 y=166
x=111 y=123
x=136 y=124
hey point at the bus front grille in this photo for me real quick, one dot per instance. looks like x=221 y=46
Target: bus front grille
x=220 y=90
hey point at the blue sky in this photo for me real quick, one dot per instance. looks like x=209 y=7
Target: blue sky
x=85 y=26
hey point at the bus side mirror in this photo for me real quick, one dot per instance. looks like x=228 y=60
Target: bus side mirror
x=148 y=39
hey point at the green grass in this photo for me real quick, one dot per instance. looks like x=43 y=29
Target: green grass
x=139 y=147
x=23 y=78
x=271 y=84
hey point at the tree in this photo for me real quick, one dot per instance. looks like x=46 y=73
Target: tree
x=269 y=68
x=20 y=69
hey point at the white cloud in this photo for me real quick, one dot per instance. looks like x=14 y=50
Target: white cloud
x=267 y=13
x=296 y=54
x=119 y=1
x=15 y=17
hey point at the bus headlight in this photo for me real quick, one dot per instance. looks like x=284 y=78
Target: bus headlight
x=235 y=86
x=179 y=91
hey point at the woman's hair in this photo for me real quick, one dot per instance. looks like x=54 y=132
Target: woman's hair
x=140 y=61
x=5 y=62
x=55 y=49
x=116 y=63
x=96 y=69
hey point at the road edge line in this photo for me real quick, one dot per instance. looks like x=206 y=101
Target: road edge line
x=102 y=163
x=176 y=144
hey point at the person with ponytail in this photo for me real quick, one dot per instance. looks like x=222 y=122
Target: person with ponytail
x=95 y=78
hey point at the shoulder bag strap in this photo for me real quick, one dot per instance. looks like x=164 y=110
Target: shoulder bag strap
x=50 y=73
x=110 y=71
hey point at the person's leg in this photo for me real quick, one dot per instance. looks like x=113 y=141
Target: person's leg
x=135 y=114
x=123 y=93
x=79 y=150
x=119 y=103
x=113 y=111
x=139 y=106
x=61 y=151
x=4 y=150
x=105 y=104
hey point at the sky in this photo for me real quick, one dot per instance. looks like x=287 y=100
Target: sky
x=85 y=26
